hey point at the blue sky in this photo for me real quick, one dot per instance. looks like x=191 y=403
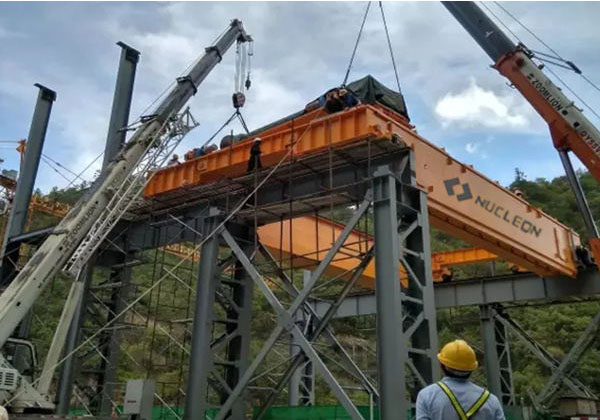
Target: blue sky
x=454 y=98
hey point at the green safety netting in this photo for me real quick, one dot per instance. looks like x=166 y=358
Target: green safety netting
x=318 y=412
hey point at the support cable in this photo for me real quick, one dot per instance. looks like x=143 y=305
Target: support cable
x=86 y=168
x=387 y=34
x=47 y=162
x=63 y=167
x=570 y=64
x=362 y=25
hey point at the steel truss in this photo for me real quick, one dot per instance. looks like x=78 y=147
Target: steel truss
x=498 y=367
x=562 y=372
x=222 y=311
x=402 y=238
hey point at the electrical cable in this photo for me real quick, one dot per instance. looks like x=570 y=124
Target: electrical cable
x=387 y=34
x=362 y=25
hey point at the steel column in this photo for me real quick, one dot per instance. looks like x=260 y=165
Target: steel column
x=119 y=114
x=119 y=275
x=201 y=354
x=115 y=138
x=67 y=373
x=27 y=174
x=582 y=204
x=498 y=368
x=405 y=313
x=302 y=383
x=239 y=313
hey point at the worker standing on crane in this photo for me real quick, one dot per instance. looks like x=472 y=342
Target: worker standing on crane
x=455 y=396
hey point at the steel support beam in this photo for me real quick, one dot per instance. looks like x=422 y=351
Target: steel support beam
x=542 y=354
x=27 y=174
x=503 y=289
x=302 y=383
x=68 y=368
x=119 y=114
x=201 y=355
x=498 y=367
x=568 y=364
x=286 y=321
x=582 y=204
x=119 y=275
x=406 y=319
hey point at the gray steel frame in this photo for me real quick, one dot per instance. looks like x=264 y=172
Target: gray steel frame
x=498 y=367
x=28 y=172
x=220 y=333
x=301 y=388
x=405 y=313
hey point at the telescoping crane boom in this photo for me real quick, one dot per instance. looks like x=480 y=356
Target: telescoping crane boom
x=569 y=128
x=101 y=207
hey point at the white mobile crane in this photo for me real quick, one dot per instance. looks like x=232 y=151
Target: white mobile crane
x=79 y=234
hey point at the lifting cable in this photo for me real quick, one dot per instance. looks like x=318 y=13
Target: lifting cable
x=389 y=42
x=235 y=114
x=241 y=83
x=569 y=65
x=387 y=34
x=362 y=25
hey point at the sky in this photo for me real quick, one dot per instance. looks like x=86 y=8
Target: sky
x=454 y=98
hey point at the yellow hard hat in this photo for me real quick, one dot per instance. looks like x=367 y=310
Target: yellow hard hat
x=458 y=355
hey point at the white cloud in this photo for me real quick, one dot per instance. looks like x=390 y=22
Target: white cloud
x=478 y=107
x=471 y=147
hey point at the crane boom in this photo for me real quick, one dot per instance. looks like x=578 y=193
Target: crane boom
x=54 y=253
x=569 y=128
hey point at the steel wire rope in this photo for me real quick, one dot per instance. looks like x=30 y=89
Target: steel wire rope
x=362 y=25
x=558 y=56
x=595 y=86
x=60 y=165
x=161 y=94
x=216 y=230
x=389 y=41
x=47 y=162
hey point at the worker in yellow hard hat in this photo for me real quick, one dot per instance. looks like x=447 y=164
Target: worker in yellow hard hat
x=455 y=397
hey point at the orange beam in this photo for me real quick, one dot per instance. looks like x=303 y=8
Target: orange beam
x=312 y=237
x=462 y=201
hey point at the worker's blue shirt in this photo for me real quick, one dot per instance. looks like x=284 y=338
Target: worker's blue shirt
x=434 y=404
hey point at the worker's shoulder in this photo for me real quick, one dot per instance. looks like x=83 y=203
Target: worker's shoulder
x=429 y=390
x=493 y=401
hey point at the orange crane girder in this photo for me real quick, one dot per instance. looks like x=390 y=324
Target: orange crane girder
x=311 y=238
x=462 y=201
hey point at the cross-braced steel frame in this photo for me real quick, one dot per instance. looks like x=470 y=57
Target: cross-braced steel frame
x=498 y=366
